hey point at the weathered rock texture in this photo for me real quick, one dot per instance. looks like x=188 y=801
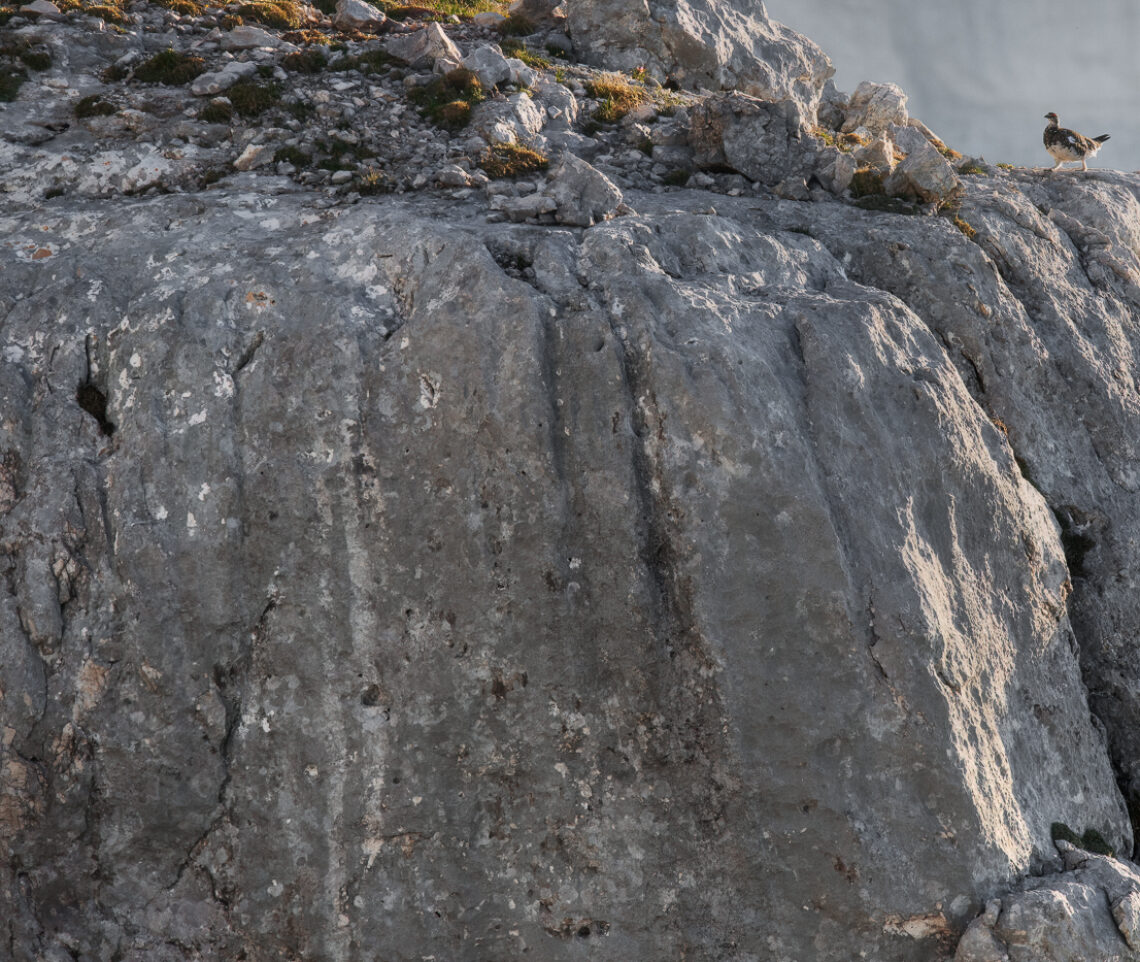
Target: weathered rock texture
x=702 y=43
x=414 y=609
x=702 y=576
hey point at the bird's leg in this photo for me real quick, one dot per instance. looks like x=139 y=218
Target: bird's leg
x=1084 y=164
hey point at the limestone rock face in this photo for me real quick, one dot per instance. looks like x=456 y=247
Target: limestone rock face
x=707 y=43
x=369 y=601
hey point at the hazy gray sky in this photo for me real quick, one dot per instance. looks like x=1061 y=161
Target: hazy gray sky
x=982 y=74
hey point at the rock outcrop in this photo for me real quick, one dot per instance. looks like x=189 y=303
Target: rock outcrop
x=423 y=556
x=702 y=43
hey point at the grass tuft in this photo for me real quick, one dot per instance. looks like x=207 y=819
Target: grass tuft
x=867 y=182
x=617 y=96
x=447 y=100
x=185 y=8
x=107 y=12
x=282 y=14
x=965 y=227
x=513 y=47
x=512 y=160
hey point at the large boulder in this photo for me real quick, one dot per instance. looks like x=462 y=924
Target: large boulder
x=424 y=583
x=763 y=139
x=1088 y=911
x=702 y=43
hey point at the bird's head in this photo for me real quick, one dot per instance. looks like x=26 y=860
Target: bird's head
x=1051 y=117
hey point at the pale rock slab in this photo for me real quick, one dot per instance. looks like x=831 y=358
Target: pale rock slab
x=358 y=15
x=925 y=175
x=217 y=81
x=248 y=38
x=875 y=106
x=583 y=196
x=424 y=46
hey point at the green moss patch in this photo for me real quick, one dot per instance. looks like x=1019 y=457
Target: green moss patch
x=216 y=112
x=250 y=98
x=374 y=61
x=94 y=106
x=10 y=82
x=171 y=68
x=1090 y=841
x=305 y=61
x=292 y=155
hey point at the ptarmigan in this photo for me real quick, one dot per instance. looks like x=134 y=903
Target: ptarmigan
x=1067 y=145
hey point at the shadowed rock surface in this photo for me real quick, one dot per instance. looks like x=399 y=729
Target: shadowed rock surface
x=734 y=578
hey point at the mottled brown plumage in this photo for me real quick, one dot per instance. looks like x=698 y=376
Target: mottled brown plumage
x=1066 y=145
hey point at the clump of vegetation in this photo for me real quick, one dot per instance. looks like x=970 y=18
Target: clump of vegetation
x=114 y=73
x=292 y=155
x=883 y=204
x=513 y=47
x=512 y=160
x=949 y=152
x=617 y=96
x=516 y=25
x=971 y=169
x=10 y=82
x=217 y=111
x=305 y=61
x=283 y=14
x=448 y=100
x=306 y=37
x=171 y=68
x=229 y=21
x=185 y=8
x=372 y=61
x=374 y=182
x=94 y=106
x=437 y=9
x=250 y=98
x=965 y=227
x=1007 y=166
x=35 y=59
x=867 y=182
x=107 y=12
x=833 y=138
x=677 y=178
x=1091 y=841
x=342 y=154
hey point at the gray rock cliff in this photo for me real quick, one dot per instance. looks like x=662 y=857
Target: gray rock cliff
x=573 y=564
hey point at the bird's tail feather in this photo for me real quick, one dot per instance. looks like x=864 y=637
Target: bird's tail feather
x=1101 y=139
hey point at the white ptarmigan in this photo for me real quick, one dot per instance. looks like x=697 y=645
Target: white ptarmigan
x=1066 y=145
